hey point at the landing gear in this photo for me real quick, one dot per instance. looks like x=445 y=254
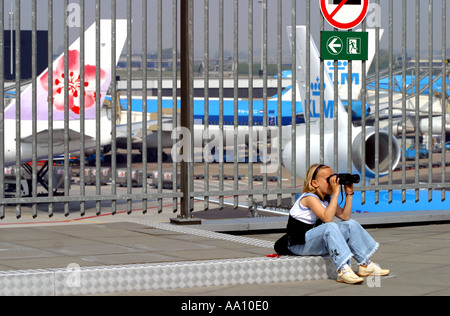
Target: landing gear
x=10 y=188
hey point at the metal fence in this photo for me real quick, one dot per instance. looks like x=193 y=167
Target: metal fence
x=176 y=51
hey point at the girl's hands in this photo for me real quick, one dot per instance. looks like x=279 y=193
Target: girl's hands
x=334 y=185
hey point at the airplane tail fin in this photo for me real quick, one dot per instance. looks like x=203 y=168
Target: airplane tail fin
x=316 y=85
x=90 y=68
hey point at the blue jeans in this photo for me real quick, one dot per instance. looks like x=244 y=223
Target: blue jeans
x=340 y=241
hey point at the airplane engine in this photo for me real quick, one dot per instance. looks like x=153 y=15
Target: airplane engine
x=370 y=152
x=357 y=153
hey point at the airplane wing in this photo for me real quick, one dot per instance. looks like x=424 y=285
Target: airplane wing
x=137 y=133
x=122 y=132
x=58 y=136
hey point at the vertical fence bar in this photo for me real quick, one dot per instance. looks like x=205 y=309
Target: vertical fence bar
x=191 y=110
x=236 y=100
x=129 y=100
x=390 y=95
x=377 y=109
x=335 y=111
x=83 y=108
x=2 y=110
x=322 y=101
x=174 y=93
x=349 y=115
x=404 y=100
x=98 y=149
x=66 y=107
x=160 y=82
x=144 y=101
x=34 y=102
x=114 y=108
x=250 y=101
x=417 y=102
x=50 y=105
x=430 y=99
x=18 y=106
x=279 y=98
x=206 y=93
x=294 y=94
x=221 y=86
x=265 y=129
x=444 y=97
x=307 y=108
x=363 y=119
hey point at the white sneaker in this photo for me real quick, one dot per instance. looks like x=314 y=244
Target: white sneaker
x=347 y=275
x=372 y=269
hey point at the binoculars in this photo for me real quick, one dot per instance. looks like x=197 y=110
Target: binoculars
x=345 y=178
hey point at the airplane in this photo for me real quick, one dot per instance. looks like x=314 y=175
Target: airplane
x=42 y=105
x=199 y=119
x=229 y=106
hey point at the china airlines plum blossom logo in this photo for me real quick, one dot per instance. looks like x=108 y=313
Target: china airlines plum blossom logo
x=74 y=84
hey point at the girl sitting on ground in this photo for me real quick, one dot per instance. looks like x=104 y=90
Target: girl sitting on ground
x=311 y=231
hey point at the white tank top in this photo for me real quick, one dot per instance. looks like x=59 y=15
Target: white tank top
x=305 y=214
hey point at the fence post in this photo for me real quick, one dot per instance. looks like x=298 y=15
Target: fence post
x=186 y=114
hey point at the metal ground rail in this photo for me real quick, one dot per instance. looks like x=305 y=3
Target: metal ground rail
x=165 y=276
x=181 y=41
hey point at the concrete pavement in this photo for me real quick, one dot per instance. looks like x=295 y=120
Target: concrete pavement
x=154 y=258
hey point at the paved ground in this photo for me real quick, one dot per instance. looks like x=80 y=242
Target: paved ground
x=418 y=256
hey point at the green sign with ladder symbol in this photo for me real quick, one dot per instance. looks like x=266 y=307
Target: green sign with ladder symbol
x=344 y=45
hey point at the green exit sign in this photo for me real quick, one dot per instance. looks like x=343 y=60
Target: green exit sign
x=344 y=45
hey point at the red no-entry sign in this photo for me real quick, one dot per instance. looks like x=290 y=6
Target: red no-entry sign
x=344 y=14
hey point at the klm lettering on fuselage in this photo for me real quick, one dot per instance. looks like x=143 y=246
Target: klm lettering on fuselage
x=344 y=78
x=328 y=105
x=328 y=109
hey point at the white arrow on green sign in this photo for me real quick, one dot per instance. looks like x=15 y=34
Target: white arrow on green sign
x=335 y=45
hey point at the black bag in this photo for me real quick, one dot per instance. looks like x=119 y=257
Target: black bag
x=281 y=246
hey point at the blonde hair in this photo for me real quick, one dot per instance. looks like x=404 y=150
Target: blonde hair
x=311 y=174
